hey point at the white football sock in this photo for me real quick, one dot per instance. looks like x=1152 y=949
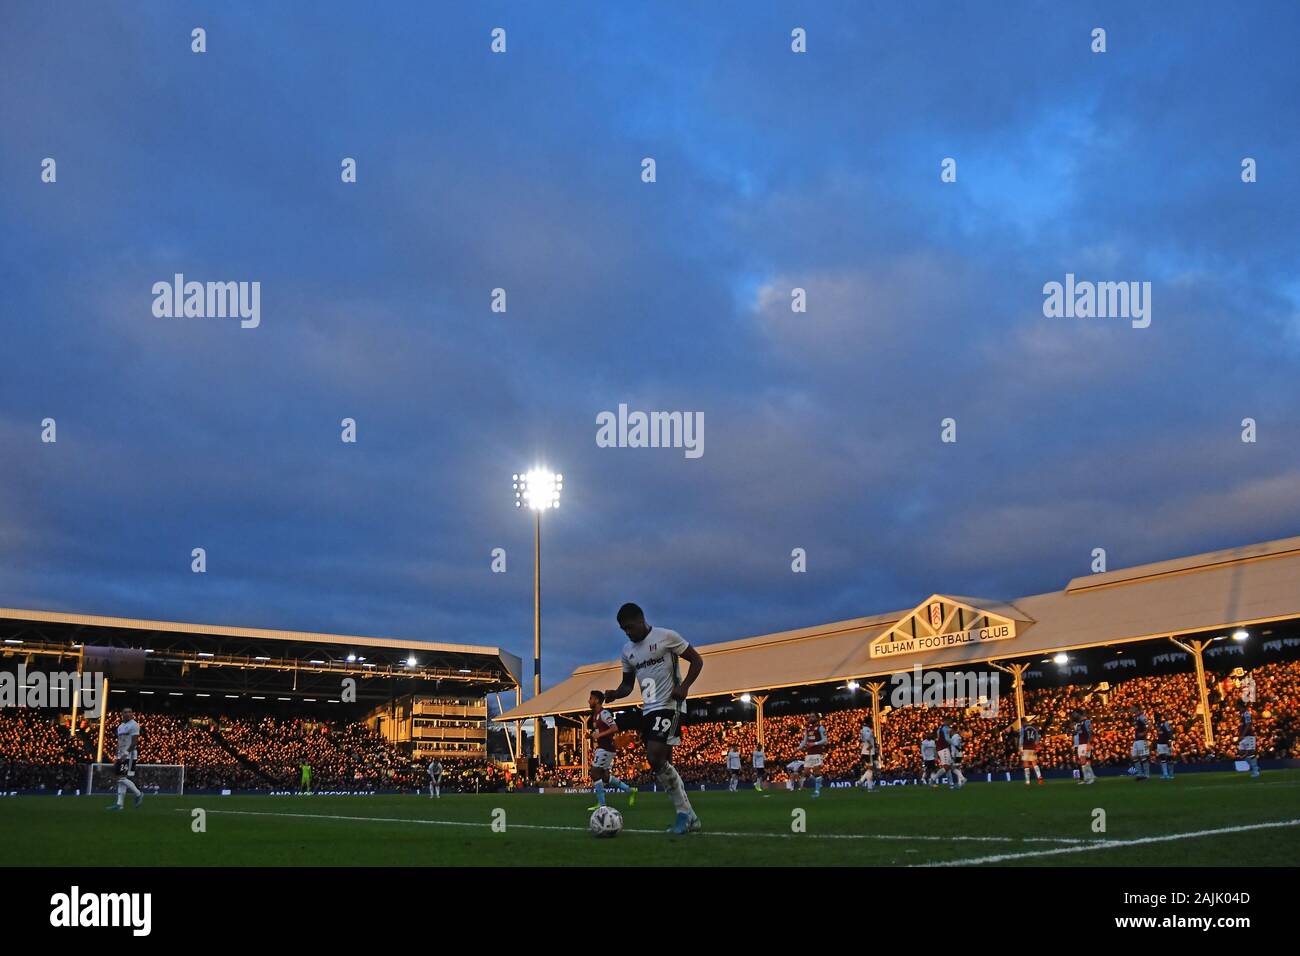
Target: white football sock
x=671 y=781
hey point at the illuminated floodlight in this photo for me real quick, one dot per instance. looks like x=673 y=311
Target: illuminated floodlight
x=538 y=489
x=853 y=685
x=1061 y=658
x=1240 y=634
x=744 y=698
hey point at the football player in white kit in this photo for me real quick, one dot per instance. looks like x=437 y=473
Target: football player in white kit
x=127 y=732
x=760 y=767
x=929 y=774
x=958 y=744
x=870 y=758
x=650 y=662
x=733 y=768
x=794 y=775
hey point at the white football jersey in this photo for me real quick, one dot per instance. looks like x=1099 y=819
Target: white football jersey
x=867 y=735
x=760 y=759
x=127 y=731
x=927 y=749
x=956 y=742
x=654 y=662
x=733 y=760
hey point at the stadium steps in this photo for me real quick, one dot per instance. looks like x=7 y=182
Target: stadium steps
x=242 y=759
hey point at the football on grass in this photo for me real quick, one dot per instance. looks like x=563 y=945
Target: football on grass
x=606 y=822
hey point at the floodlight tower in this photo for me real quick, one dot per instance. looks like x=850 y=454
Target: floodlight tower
x=538 y=490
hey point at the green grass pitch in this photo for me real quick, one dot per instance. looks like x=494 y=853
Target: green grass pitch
x=999 y=823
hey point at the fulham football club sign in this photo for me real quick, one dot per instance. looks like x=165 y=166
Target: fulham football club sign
x=942 y=623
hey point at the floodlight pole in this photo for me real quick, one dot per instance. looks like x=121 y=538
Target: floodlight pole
x=537 y=628
x=539 y=490
x=1195 y=648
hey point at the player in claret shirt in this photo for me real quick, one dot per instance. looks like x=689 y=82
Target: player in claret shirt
x=604 y=730
x=1141 y=751
x=1165 y=747
x=943 y=751
x=814 y=745
x=1246 y=738
x=1029 y=750
x=1083 y=747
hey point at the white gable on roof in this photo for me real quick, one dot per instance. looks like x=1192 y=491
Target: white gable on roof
x=941 y=622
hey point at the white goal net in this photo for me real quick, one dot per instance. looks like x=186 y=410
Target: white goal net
x=151 y=778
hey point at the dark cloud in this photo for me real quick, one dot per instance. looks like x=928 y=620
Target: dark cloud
x=522 y=172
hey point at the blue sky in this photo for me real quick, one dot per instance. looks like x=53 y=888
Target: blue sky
x=522 y=171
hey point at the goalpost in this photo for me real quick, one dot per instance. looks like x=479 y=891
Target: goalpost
x=151 y=778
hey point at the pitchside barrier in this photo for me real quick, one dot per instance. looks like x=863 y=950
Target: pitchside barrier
x=71 y=780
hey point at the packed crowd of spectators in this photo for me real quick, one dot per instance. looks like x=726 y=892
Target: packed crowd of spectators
x=38 y=751
x=992 y=743
x=30 y=746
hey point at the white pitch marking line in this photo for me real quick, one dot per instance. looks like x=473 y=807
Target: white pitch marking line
x=1255 y=786
x=720 y=833
x=1110 y=844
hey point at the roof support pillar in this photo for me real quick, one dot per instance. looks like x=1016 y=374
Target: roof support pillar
x=103 y=712
x=759 y=700
x=586 y=747
x=1017 y=672
x=876 y=686
x=1196 y=649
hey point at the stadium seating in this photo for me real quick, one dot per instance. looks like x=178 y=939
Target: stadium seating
x=37 y=750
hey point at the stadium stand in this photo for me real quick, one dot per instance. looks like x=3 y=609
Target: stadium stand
x=1116 y=627
x=37 y=751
